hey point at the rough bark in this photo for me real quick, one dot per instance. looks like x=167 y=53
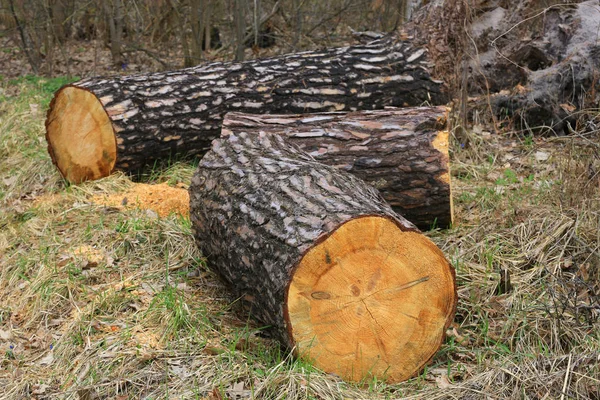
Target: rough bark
x=162 y=116
x=401 y=152
x=531 y=64
x=318 y=256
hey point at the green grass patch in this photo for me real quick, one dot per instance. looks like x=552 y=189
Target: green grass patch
x=126 y=301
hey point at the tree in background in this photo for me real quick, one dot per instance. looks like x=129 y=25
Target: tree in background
x=174 y=33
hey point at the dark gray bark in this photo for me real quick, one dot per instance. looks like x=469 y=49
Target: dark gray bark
x=393 y=150
x=257 y=204
x=167 y=115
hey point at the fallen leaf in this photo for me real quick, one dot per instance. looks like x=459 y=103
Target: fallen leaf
x=520 y=89
x=179 y=371
x=442 y=382
x=9 y=181
x=47 y=359
x=568 y=107
x=151 y=214
x=5 y=335
x=237 y=391
x=215 y=395
x=541 y=156
x=460 y=339
x=39 y=389
x=87 y=394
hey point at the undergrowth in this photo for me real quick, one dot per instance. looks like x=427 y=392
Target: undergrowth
x=99 y=302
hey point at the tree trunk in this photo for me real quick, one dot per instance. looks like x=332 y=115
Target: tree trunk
x=403 y=153
x=30 y=50
x=317 y=255
x=101 y=124
x=239 y=18
x=113 y=10
x=198 y=9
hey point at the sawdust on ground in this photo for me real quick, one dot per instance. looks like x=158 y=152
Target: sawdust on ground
x=162 y=199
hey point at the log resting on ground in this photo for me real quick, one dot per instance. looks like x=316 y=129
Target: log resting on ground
x=319 y=256
x=401 y=152
x=101 y=124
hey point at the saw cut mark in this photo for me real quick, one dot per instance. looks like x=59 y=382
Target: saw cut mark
x=378 y=309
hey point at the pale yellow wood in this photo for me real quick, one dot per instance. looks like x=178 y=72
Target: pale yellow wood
x=371 y=301
x=441 y=143
x=80 y=136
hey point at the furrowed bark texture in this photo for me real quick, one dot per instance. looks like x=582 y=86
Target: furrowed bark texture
x=275 y=224
x=257 y=202
x=177 y=114
x=401 y=152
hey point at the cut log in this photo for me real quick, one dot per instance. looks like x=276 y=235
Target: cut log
x=101 y=124
x=401 y=152
x=318 y=256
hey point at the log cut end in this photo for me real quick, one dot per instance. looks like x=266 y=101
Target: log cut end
x=371 y=300
x=442 y=144
x=81 y=140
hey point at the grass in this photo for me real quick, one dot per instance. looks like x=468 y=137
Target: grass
x=97 y=302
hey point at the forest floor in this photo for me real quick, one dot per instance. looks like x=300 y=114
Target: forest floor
x=104 y=294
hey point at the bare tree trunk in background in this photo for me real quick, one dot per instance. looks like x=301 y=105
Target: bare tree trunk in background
x=33 y=55
x=207 y=23
x=240 y=28
x=198 y=10
x=164 y=21
x=114 y=16
x=296 y=6
x=57 y=17
x=256 y=20
x=50 y=38
x=403 y=11
x=180 y=23
x=406 y=9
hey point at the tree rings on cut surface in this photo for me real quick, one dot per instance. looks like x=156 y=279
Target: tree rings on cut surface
x=80 y=136
x=371 y=300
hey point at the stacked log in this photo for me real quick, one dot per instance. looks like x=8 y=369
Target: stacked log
x=320 y=257
x=101 y=124
x=401 y=152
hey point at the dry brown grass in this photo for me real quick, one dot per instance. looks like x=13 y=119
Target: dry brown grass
x=99 y=301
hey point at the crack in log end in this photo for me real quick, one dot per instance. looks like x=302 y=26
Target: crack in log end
x=375 y=330
x=80 y=135
x=395 y=290
x=379 y=280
